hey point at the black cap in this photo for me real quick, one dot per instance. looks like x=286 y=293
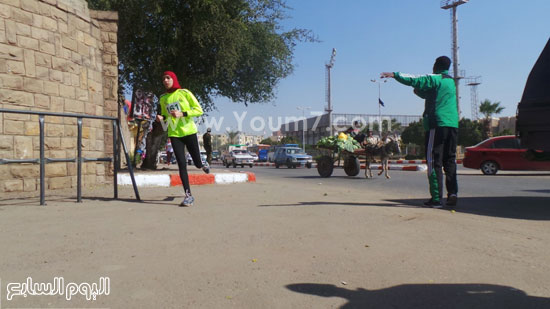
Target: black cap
x=442 y=63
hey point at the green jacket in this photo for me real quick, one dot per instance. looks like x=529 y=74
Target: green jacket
x=439 y=92
x=182 y=100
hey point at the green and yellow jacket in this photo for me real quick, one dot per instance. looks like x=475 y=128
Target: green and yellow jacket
x=181 y=100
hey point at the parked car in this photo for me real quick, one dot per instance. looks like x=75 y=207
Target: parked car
x=253 y=155
x=292 y=157
x=215 y=155
x=190 y=159
x=501 y=153
x=162 y=158
x=238 y=157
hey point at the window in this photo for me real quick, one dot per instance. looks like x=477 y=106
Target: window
x=508 y=143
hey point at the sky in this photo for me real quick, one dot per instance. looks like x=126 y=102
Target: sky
x=499 y=41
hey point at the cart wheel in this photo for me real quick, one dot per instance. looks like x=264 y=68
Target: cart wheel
x=325 y=165
x=352 y=167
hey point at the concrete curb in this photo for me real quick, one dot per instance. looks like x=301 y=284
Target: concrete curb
x=170 y=180
x=412 y=168
x=414 y=161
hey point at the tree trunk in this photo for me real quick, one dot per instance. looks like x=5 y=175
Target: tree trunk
x=154 y=139
x=489 y=128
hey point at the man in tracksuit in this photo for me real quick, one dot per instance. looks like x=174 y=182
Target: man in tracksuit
x=440 y=121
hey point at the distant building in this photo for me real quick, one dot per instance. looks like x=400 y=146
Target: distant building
x=277 y=136
x=244 y=139
x=506 y=123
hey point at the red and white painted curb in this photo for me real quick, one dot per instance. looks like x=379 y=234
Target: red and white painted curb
x=413 y=168
x=170 y=180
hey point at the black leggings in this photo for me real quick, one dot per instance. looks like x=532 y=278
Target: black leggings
x=192 y=144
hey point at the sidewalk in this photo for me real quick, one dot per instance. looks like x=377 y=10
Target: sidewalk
x=168 y=176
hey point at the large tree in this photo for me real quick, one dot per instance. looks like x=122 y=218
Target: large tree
x=469 y=132
x=231 y=48
x=413 y=134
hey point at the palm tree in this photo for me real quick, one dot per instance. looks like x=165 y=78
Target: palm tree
x=488 y=109
x=232 y=135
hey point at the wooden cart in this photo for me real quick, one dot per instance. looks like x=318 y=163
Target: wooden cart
x=352 y=167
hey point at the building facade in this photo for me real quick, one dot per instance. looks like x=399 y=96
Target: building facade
x=56 y=56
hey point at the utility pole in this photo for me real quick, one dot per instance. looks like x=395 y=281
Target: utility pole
x=303 y=109
x=328 y=67
x=453 y=4
x=379 y=108
x=473 y=82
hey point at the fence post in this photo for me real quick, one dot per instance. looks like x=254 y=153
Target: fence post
x=115 y=159
x=79 y=161
x=42 y=162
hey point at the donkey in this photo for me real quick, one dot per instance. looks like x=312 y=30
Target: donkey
x=388 y=146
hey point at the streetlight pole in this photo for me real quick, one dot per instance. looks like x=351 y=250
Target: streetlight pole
x=303 y=109
x=379 y=108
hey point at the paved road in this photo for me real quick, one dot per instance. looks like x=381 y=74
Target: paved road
x=507 y=194
x=291 y=240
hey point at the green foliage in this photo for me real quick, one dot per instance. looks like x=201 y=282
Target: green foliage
x=233 y=48
x=469 y=132
x=413 y=134
x=487 y=108
x=288 y=140
x=505 y=132
x=267 y=141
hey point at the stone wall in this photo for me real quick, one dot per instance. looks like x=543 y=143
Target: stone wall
x=58 y=56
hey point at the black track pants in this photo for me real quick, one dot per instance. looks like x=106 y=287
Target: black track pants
x=192 y=144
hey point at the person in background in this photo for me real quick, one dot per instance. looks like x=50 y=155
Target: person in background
x=207 y=143
x=179 y=106
x=169 y=152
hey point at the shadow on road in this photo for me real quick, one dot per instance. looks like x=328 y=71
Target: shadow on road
x=35 y=201
x=538 y=191
x=427 y=296
x=512 y=207
x=504 y=174
x=325 y=203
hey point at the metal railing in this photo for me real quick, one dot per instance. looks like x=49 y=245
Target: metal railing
x=79 y=159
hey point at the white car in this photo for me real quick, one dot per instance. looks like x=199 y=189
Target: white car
x=190 y=159
x=253 y=155
x=238 y=157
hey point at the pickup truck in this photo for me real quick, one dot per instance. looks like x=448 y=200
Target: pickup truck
x=237 y=157
x=532 y=125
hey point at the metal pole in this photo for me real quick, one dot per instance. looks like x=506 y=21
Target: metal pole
x=130 y=168
x=116 y=160
x=455 y=58
x=379 y=113
x=329 y=105
x=304 y=131
x=79 y=161
x=42 y=162
x=138 y=121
